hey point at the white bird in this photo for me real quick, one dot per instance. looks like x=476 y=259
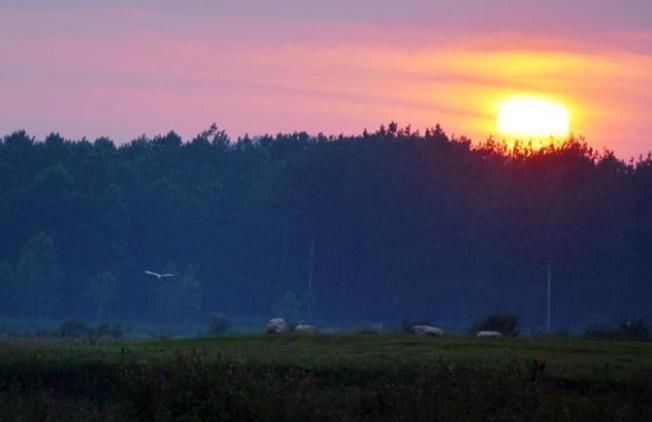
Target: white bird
x=157 y=275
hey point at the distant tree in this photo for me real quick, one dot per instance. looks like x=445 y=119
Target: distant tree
x=102 y=291
x=19 y=140
x=288 y=306
x=7 y=288
x=218 y=323
x=171 y=140
x=39 y=277
x=190 y=293
x=179 y=298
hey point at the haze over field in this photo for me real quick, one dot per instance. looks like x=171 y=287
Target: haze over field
x=124 y=68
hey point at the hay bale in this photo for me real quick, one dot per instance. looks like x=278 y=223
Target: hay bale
x=305 y=328
x=427 y=330
x=277 y=326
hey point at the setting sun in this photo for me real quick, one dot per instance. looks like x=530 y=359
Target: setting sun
x=532 y=117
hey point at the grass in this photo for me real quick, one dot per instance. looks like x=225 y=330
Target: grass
x=327 y=377
x=571 y=358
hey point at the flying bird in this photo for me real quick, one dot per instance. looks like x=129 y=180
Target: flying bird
x=157 y=275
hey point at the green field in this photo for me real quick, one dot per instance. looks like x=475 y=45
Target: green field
x=326 y=377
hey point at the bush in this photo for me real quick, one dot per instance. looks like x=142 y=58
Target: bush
x=635 y=330
x=112 y=331
x=77 y=329
x=562 y=333
x=599 y=331
x=4 y=331
x=73 y=328
x=506 y=324
x=161 y=335
x=626 y=330
x=219 y=324
x=42 y=332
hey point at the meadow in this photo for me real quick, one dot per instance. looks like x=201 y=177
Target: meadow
x=326 y=377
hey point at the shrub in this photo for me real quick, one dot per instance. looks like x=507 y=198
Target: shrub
x=73 y=328
x=636 y=330
x=219 y=324
x=42 y=332
x=4 y=331
x=77 y=329
x=506 y=324
x=562 y=333
x=112 y=331
x=161 y=335
x=599 y=331
x=627 y=330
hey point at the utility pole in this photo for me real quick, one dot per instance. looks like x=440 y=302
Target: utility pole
x=549 y=292
x=311 y=272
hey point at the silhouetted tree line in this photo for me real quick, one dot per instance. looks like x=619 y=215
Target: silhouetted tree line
x=404 y=225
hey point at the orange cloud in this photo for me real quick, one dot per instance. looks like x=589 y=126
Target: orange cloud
x=158 y=72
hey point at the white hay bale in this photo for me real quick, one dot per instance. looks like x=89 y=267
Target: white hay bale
x=427 y=330
x=305 y=328
x=277 y=326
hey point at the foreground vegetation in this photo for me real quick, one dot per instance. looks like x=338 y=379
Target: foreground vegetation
x=319 y=377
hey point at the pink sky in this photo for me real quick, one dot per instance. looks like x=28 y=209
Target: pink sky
x=257 y=66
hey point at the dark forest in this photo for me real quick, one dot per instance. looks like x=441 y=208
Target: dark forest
x=388 y=225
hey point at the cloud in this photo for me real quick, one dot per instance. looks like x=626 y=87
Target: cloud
x=122 y=70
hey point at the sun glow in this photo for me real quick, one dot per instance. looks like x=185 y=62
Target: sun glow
x=529 y=117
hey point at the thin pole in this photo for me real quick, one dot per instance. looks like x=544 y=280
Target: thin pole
x=549 y=291
x=310 y=276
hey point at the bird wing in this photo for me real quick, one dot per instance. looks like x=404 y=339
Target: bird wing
x=168 y=275
x=152 y=273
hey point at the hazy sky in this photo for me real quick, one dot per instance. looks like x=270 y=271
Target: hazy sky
x=125 y=68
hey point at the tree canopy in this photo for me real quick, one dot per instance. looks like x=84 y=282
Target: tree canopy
x=404 y=225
